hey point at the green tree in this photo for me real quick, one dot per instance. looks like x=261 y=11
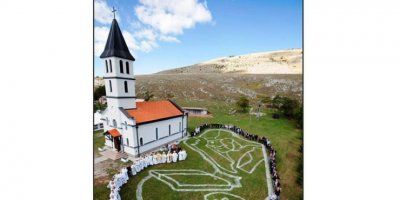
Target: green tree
x=98 y=106
x=148 y=96
x=298 y=116
x=242 y=104
x=288 y=107
x=99 y=92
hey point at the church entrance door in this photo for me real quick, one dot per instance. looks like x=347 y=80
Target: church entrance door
x=117 y=143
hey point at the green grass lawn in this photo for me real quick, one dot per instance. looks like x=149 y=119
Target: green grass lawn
x=253 y=185
x=285 y=138
x=98 y=141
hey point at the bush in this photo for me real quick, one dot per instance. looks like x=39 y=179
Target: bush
x=148 y=96
x=298 y=116
x=276 y=116
x=242 y=104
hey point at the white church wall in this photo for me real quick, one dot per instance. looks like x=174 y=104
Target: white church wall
x=127 y=103
x=148 y=133
x=126 y=131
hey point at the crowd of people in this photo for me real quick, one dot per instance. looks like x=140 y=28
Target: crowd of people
x=263 y=140
x=174 y=154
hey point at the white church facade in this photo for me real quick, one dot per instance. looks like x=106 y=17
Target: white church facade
x=130 y=126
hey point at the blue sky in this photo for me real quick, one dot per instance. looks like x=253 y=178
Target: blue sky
x=164 y=34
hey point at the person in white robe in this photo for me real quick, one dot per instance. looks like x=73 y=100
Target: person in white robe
x=151 y=159
x=155 y=161
x=133 y=169
x=137 y=166
x=174 y=157
x=180 y=155
x=160 y=158
x=163 y=158
x=141 y=163
x=169 y=157
x=125 y=176
x=184 y=154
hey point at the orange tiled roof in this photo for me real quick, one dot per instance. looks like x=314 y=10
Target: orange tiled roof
x=153 y=110
x=114 y=132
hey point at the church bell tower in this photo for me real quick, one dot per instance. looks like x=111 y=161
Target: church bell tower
x=118 y=66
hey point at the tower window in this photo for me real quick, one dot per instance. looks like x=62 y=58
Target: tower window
x=109 y=81
x=110 y=66
x=121 y=67
x=106 y=66
x=141 y=141
x=156 y=133
x=126 y=86
x=127 y=67
x=114 y=123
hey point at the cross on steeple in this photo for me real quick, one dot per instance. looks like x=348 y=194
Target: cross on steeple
x=113 y=10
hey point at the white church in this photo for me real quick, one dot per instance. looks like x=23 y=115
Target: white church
x=130 y=126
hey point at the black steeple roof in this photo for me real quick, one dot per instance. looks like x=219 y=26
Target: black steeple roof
x=116 y=45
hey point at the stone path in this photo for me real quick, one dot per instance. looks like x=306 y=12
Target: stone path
x=100 y=159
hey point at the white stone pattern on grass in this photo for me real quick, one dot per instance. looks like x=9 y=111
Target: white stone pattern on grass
x=121 y=178
x=228 y=176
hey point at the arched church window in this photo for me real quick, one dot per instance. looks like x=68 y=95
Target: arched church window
x=127 y=67
x=108 y=122
x=127 y=142
x=126 y=126
x=141 y=141
x=121 y=66
x=109 y=81
x=106 y=66
x=126 y=86
x=114 y=123
x=110 y=66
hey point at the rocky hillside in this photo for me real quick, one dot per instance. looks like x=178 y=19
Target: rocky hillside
x=273 y=62
x=218 y=87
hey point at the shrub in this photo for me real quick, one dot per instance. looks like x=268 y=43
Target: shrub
x=276 y=116
x=148 y=96
x=242 y=104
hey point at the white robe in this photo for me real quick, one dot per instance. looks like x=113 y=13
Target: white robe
x=163 y=158
x=133 y=170
x=180 y=155
x=169 y=158
x=174 y=157
x=184 y=154
x=155 y=162
x=151 y=160
x=137 y=166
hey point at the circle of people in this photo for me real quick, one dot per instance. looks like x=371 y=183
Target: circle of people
x=174 y=154
x=263 y=140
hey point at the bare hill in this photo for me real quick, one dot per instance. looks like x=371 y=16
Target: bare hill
x=273 y=62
